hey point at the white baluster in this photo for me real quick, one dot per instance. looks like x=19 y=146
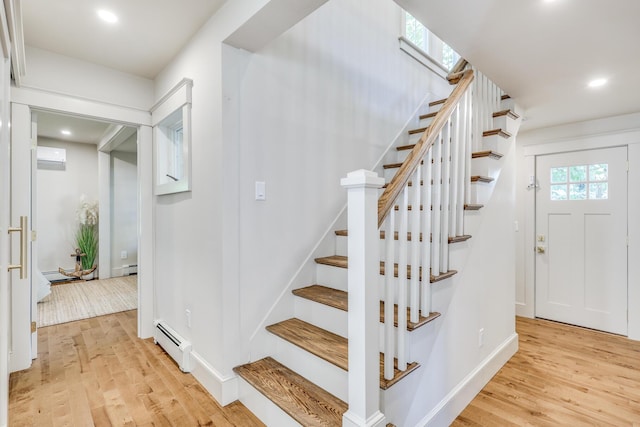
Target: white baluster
x=425 y=303
x=403 y=245
x=469 y=149
x=436 y=214
x=416 y=214
x=455 y=171
x=389 y=295
x=465 y=157
x=444 y=211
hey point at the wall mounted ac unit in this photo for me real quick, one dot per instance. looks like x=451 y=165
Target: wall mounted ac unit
x=52 y=157
x=175 y=345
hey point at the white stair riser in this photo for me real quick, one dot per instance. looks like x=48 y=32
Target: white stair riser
x=263 y=408
x=506 y=123
x=339 y=279
x=509 y=104
x=485 y=166
x=334 y=320
x=437 y=107
x=331 y=319
x=343 y=245
x=426 y=122
x=320 y=372
x=496 y=143
x=401 y=155
x=481 y=192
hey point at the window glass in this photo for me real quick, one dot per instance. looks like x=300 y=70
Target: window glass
x=580 y=182
x=558 y=175
x=428 y=42
x=599 y=172
x=559 y=192
x=578 y=191
x=598 y=191
x=578 y=173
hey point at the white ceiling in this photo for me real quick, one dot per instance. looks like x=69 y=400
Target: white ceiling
x=544 y=53
x=147 y=36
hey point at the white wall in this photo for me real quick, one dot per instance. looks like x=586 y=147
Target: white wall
x=326 y=97
x=61 y=74
x=58 y=197
x=607 y=132
x=124 y=201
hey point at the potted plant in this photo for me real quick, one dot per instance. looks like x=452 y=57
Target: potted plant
x=87 y=233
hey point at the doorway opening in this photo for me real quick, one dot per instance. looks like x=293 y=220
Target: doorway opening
x=89 y=186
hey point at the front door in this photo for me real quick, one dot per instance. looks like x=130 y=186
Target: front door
x=581 y=238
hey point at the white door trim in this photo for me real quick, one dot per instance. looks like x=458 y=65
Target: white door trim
x=61 y=103
x=630 y=139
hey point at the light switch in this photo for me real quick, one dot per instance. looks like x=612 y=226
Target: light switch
x=261 y=190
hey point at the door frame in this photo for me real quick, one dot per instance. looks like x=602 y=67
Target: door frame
x=140 y=119
x=629 y=139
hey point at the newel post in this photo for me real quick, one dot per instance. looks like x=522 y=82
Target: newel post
x=364 y=301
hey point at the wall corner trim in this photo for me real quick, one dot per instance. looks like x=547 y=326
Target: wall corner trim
x=224 y=388
x=461 y=395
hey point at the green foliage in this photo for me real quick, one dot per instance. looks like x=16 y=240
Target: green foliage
x=87 y=241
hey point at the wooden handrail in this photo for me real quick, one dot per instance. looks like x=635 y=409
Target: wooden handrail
x=411 y=163
x=456 y=72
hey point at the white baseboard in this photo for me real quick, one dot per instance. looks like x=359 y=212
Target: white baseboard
x=454 y=403
x=223 y=388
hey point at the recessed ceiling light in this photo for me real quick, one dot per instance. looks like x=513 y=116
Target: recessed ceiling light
x=65 y=132
x=597 y=82
x=107 y=16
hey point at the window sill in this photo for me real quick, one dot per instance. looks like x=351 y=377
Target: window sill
x=422 y=57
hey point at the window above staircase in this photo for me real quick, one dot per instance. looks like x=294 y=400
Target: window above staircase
x=426 y=47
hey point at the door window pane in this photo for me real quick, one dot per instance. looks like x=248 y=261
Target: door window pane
x=578 y=173
x=578 y=191
x=559 y=192
x=598 y=191
x=558 y=175
x=599 y=172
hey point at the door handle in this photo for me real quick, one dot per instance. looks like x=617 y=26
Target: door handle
x=23 y=247
x=540 y=249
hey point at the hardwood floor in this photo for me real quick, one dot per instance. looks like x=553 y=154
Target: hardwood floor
x=562 y=376
x=97 y=372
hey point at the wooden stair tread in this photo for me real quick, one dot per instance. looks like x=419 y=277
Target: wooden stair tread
x=339 y=299
x=505 y=96
x=498 y=132
x=473 y=207
x=479 y=178
x=405 y=147
x=438 y=102
x=341 y=261
x=409 y=184
x=396 y=165
x=418 y=130
x=428 y=115
x=317 y=341
x=328 y=346
x=456 y=239
x=489 y=153
x=508 y=113
x=304 y=401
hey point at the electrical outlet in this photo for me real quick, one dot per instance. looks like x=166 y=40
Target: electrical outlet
x=480 y=337
x=124 y=255
x=187 y=313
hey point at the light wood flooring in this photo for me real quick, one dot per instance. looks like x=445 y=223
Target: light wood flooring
x=562 y=376
x=97 y=372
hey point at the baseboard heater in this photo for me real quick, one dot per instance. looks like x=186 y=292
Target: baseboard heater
x=175 y=345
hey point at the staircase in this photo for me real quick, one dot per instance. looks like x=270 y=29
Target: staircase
x=305 y=380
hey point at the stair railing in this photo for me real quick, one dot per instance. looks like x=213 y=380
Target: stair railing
x=420 y=210
x=424 y=202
